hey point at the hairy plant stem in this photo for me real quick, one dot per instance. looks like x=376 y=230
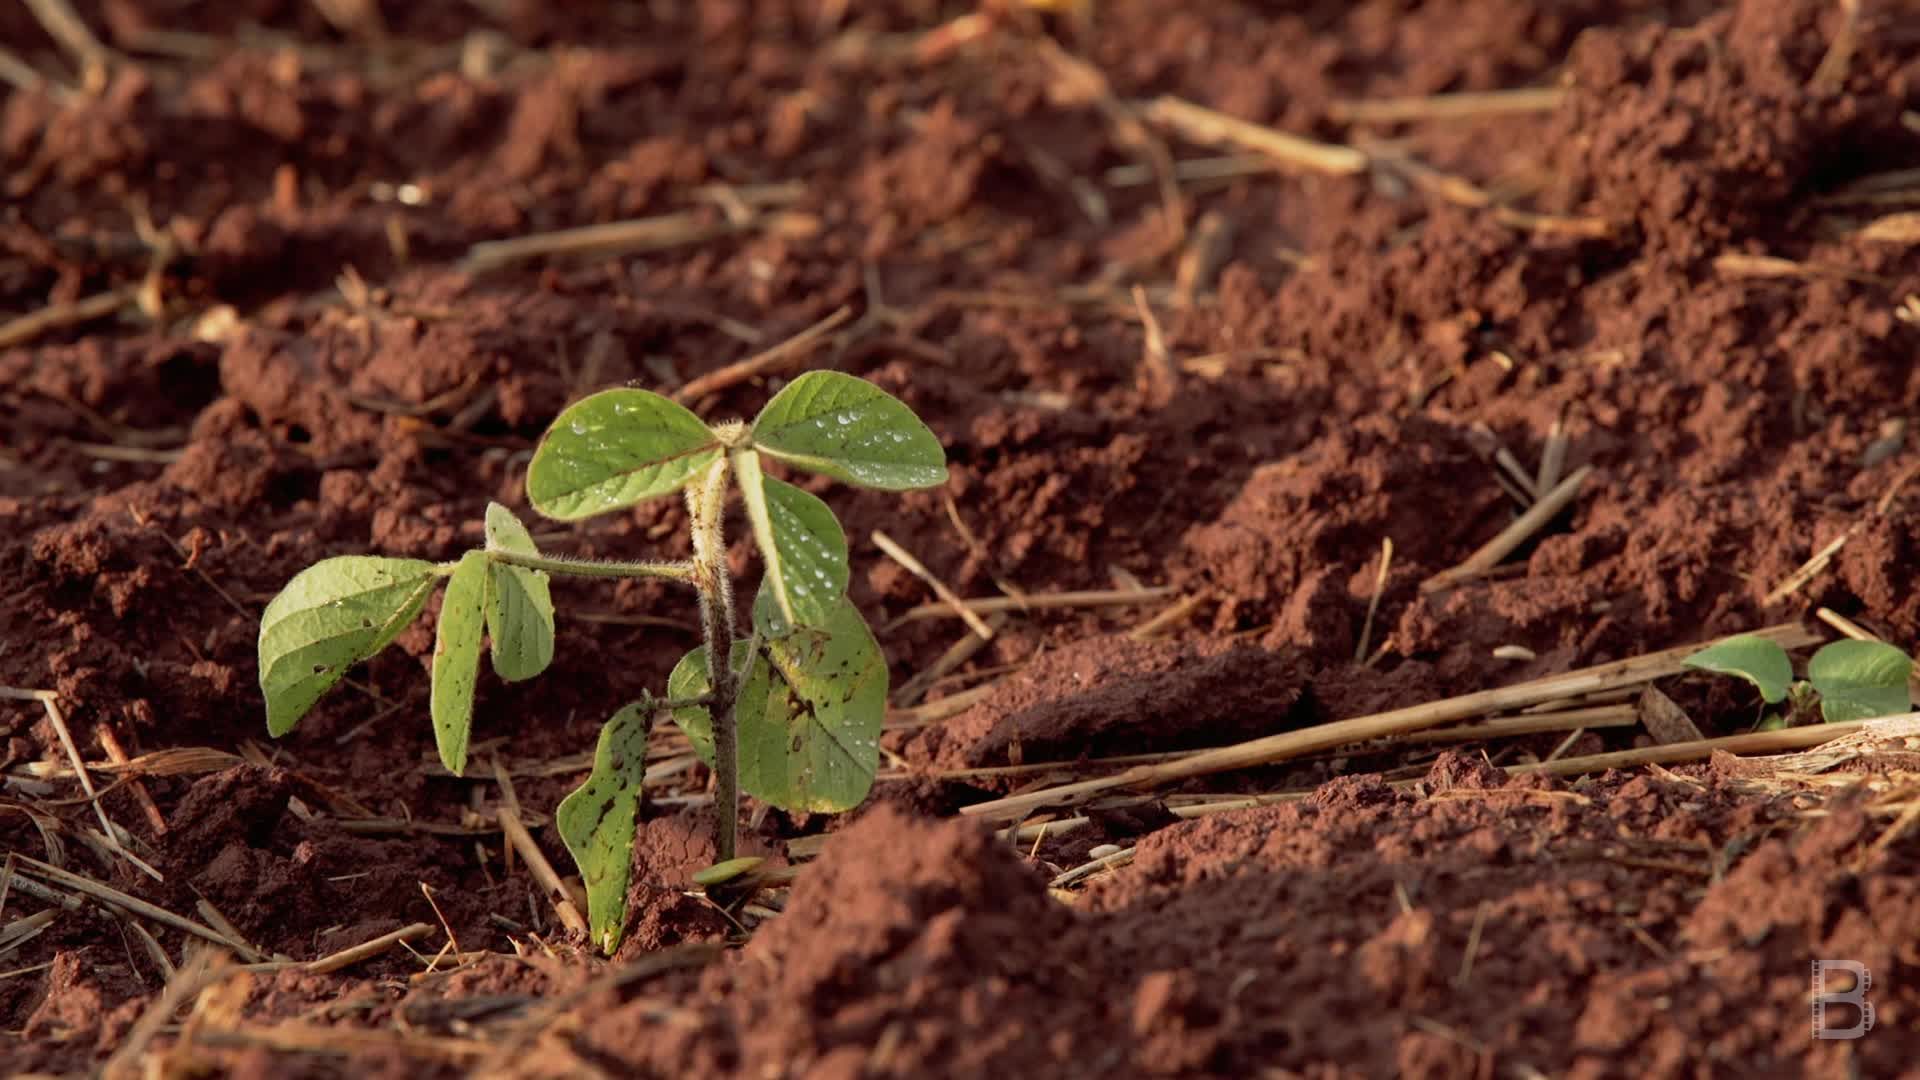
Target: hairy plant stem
x=561 y=564
x=706 y=506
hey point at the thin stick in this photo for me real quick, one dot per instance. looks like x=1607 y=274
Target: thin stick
x=1177 y=612
x=1832 y=72
x=155 y=953
x=202 y=969
x=1456 y=106
x=1229 y=167
x=1759 y=742
x=1273 y=748
x=117 y=754
x=1473 y=944
x=1088 y=869
x=23 y=76
x=50 y=701
x=216 y=919
x=1499 y=727
x=1811 y=568
x=56 y=316
x=958 y=653
x=54 y=875
x=1511 y=537
x=1040 y=601
x=951 y=705
x=366 y=950
x=1034 y=768
x=542 y=870
x=1845 y=625
x=65 y=26
x=1373 y=602
x=1566 y=743
x=296 y=1038
x=1159 y=363
x=947 y=596
x=1209 y=127
x=634 y=236
x=1553 y=456
x=1207 y=250
x=772 y=359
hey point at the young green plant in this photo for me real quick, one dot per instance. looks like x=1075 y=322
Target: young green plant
x=1846 y=680
x=791 y=713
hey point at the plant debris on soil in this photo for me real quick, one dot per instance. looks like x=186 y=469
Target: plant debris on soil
x=1604 y=314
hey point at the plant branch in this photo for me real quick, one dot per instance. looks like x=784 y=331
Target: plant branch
x=561 y=564
x=706 y=506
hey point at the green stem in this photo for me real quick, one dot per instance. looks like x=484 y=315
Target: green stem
x=706 y=506
x=561 y=564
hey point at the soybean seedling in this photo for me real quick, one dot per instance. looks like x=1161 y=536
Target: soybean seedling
x=1846 y=680
x=791 y=714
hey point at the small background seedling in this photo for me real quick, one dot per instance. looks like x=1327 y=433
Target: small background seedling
x=791 y=714
x=1846 y=680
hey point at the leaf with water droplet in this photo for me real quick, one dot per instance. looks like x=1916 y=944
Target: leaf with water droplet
x=331 y=616
x=596 y=821
x=456 y=659
x=519 y=602
x=614 y=449
x=810 y=714
x=1859 y=680
x=851 y=430
x=801 y=545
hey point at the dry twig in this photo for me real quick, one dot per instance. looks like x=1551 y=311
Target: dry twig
x=773 y=359
x=1209 y=127
x=1291 y=744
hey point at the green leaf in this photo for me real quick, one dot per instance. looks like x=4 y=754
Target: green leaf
x=614 y=449
x=1859 y=680
x=596 y=821
x=519 y=602
x=456 y=659
x=331 y=616
x=810 y=714
x=800 y=541
x=851 y=430
x=1760 y=661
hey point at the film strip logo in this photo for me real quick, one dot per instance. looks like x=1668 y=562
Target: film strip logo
x=1849 y=989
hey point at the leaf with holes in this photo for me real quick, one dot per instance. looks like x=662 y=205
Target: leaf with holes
x=596 y=821
x=519 y=602
x=1859 y=680
x=801 y=545
x=456 y=659
x=810 y=714
x=1758 y=660
x=331 y=616
x=851 y=430
x=614 y=449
